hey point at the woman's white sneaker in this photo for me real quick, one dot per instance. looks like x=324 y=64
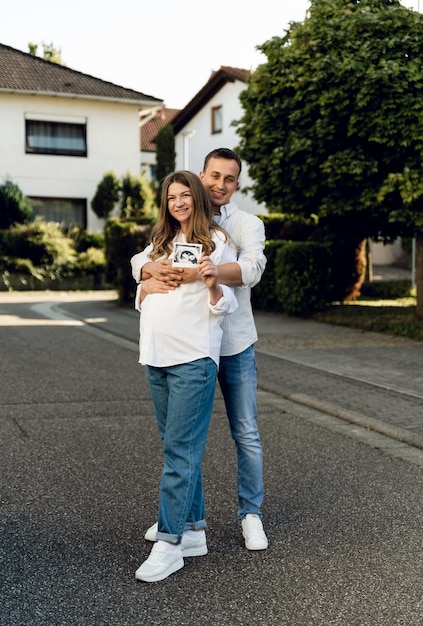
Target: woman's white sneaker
x=160 y=564
x=254 y=535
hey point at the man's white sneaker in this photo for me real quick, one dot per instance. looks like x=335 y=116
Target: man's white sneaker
x=191 y=546
x=252 y=529
x=160 y=564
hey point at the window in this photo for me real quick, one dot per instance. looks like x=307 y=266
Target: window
x=55 y=137
x=217 y=125
x=66 y=212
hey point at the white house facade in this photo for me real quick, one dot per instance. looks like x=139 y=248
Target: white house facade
x=205 y=124
x=61 y=131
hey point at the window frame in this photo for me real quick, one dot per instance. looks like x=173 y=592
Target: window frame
x=217 y=119
x=59 y=132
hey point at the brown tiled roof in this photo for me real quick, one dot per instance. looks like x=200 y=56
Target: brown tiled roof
x=148 y=132
x=217 y=80
x=23 y=72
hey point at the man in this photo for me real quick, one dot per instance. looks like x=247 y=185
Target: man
x=237 y=367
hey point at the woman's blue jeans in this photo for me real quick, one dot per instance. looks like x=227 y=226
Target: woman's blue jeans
x=183 y=397
x=238 y=383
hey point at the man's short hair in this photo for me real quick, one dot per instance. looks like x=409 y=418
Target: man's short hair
x=223 y=153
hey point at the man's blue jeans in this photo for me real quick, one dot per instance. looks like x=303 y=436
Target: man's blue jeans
x=183 y=397
x=238 y=382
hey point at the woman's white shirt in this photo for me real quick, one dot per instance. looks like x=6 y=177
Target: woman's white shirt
x=182 y=325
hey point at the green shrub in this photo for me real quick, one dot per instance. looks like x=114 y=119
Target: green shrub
x=15 y=208
x=106 y=195
x=263 y=295
x=39 y=255
x=43 y=243
x=82 y=240
x=288 y=227
x=302 y=277
x=137 y=198
x=387 y=289
x=123 y=240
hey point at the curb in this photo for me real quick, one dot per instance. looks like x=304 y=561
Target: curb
x=369 y=423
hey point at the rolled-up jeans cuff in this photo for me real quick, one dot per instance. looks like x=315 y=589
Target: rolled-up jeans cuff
x=200 y=525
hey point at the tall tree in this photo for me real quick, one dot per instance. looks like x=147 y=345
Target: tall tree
x=166 y=155
x=333 y=122
x=50 y=52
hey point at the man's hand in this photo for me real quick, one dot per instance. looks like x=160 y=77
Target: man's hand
x=173 y=276
x=163 y=271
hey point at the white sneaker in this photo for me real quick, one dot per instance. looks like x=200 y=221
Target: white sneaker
x=252 y=529
x=160 y=564
x=151 y=533
x=196 y=546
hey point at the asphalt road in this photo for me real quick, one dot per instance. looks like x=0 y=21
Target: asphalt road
x=80 y=464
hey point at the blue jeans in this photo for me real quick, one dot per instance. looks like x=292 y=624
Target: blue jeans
x=238 y=382
x=183 y=397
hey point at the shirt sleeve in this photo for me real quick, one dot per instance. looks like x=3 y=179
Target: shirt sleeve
x=224 y=253
x=138 y=261
x=251 y=241
x=227 y=303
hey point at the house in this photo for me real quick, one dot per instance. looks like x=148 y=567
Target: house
x=62 y=130
x=148 y=135
x=205 y=124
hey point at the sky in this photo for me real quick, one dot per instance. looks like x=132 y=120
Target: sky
x=164 y=48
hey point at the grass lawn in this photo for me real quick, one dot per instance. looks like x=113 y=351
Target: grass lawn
x=391 y=316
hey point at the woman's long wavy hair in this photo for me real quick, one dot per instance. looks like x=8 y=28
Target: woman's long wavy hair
x=200 y=225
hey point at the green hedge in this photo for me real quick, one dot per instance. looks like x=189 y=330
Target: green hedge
x=39 y=256
x=123 y=240
x=387 y=289
x=297 y=278
x=263 y=295
x=302 y=277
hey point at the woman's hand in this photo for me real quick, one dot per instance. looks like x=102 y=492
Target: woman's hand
x=208 y=271
x=209 y=274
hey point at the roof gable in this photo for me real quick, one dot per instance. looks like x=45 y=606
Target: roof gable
x=149 y=131
x=217 y=80
x=26 y=73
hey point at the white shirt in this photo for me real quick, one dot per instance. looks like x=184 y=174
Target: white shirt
x=247 y=232
x=182 y=325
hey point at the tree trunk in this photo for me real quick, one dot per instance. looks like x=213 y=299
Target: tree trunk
x=419 y=275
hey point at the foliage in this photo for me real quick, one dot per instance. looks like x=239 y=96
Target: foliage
x=288 y=226
x=50 y=52
x=39 y=254
x=106 y=195
x=165 y=154
x=123 y=240
x=394 y=317
x=263 y=295
x=42 y=242
x=15 y=208
x=82 y=240
x=387 y=289
x=333 y=122
x=302 y=277
x=136 y=197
